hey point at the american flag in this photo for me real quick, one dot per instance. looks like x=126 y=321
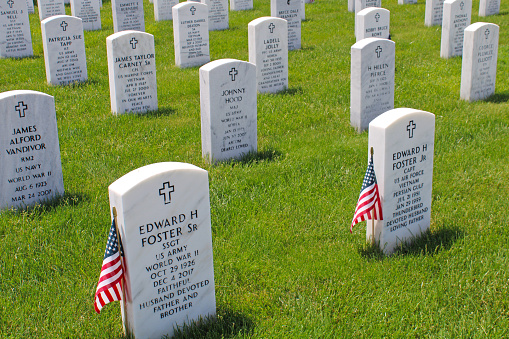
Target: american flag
x=109 y=287
x=369 y=199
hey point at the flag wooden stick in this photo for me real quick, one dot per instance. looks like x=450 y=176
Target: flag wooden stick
x=372 y=214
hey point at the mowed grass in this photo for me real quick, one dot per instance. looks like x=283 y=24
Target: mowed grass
x=285 y=264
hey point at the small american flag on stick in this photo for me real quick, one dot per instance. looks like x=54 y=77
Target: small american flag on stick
x=109 y=287
x=369 y=199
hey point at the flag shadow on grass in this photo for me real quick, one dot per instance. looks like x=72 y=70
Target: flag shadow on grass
x=428 y=243
x=227 y=324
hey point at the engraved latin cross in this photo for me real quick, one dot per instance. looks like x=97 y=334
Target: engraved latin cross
x=10 y=3
x=166 y=191
x=271 y=27
x=21 y=108
x=378 y=51
x=233 y=73
x=377 y=16
x=133 y=42
x=410 y=128
x=193 y=10
x=64 y=25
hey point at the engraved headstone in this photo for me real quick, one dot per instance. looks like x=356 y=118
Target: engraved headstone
x=228 y=109
x=132 y=72
x=15 y=37
x=489 y=7
x=64 y=50
x=372 y=80
x=372 y=22
x=49 y=8
x=241 y=5
x=434 y=12
x=479 y=64
x=191 y=34
x=407 y=2
x=89 y=11
x=362 y=4
x=268 y=50
x=163 y=217
x=30 y=167
x=403 y=141
x=128 y=15
x=30 y=7
x=162 y=9
x=218 y=14
x=456 y=18
x=290 y=11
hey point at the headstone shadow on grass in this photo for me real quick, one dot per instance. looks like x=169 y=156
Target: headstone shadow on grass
x=429 y=243
x=291 y=91
x=252 y=158
x=227 y=324
x=498 y=98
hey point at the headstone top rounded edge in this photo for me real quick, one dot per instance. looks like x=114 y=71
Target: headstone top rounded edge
x=213 y=64
x=366 y=41
x=368 y=10
x=59 y=17
x=386 y=119
x=126 y=32
x=16 y=92
x=137 y=176
x=265 y=19
x=477 y=25
x=188 y=3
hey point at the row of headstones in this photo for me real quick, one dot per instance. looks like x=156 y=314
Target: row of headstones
x=373 y=63
x=166 y=232
x=434 y=8
x=16 y=41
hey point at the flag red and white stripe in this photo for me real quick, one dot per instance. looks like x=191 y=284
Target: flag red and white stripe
x=109 y=287
x=369 y=198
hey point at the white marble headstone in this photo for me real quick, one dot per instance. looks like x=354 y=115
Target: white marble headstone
x=30 y=6
x=64 y=50
x=128 y=15
x=162 y=9
x=407 y=2
x=479 y=64
x=30 y=167
x=489 y=7
x=49 y=8
x=191 y=34
x=403 y=141
x=362 y=4
x=163 y=216
x=303 y=10
x=268 y=50
x=89 y=11
x=433 y=12
x=241 y=5
x=132 y=72
x=456 y=18
x=290 y=11
x=351 y=6
x=15 y=37
x=228 y=109
x=372 y=80
x=218 y=14
x=372 y=22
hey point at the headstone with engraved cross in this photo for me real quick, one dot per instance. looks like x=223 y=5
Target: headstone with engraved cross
x=241 y=5
x=228 y=109
x=128 y=15
x=89 y=11
x=132 y=72
x=456 y=17
x=64 y=50
x=403 y=143
x=268 y=50
x=372 y=80
x=163 y=9
x=15 y=37
x=290 y=11
x=372 y=22
x=191 y=34
x=434 y=12
x=489 y=7
x=479 y=63
x=48 y=8
x=30 y=167
x=163 y=217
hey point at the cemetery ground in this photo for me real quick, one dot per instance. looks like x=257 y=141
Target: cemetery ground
x=285 y=263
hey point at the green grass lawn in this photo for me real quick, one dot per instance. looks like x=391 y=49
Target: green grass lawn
x=285 y=263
